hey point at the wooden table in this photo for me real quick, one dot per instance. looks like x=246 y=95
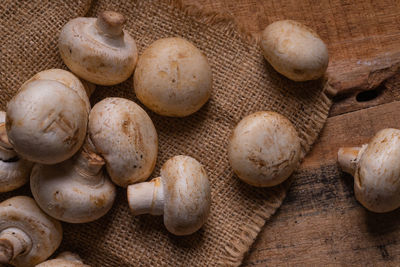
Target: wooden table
x=320 y=221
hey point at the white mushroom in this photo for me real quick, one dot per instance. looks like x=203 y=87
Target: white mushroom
x=173 y=78
x=27 y=235
x=46 y=121
x=182 y=193
x=124 y=135
x=76 y=191
x=376 y=170
x=294 y=50
x=82 y=88
x=65 y=259
x=264 y=149
x=98 y=49
x=14 y=171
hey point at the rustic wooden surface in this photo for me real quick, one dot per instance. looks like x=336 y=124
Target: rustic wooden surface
x=320 y=221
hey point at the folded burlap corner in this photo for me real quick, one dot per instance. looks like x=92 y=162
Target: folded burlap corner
x=242 y=83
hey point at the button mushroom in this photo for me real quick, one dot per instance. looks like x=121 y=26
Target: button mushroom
x=124 y=135
x=83 y=89
x=27 y=235
x=65 y=259
x=181 y=193
x=46 y=121
x=294 y=50
x=14 y=171
x=264 y=149
x=173 y=78
x=74 y=191
x=376 y=170
x=98 y=49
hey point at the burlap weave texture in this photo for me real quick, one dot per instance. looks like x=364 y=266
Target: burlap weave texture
x=243 y=83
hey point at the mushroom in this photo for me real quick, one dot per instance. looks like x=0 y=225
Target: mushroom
x=264 y=149
x=124 y=135
x=376 y=170
x=98 y=49
x=65 y=259
x=294 y=50
x=14 y=171
x=82 y=88
x=173 y=78
x=182 y=193
x=46 y=121
x=27 y=235
x=76 y=190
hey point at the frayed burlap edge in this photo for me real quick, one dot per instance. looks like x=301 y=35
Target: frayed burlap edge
x=237 y=249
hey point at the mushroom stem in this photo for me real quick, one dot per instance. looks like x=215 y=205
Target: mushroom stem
x=4 y=142
x=88 y=164
x=348 y=158
x=110 y=23
x=6 y=150
x=13 y=242
x=147 y=197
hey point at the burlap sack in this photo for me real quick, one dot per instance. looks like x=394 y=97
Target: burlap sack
x=243 y=83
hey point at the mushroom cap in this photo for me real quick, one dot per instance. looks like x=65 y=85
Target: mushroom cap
x=45 y=232
x=14 y=171
x=377 y=177
x=264 y=149
x=68 y=195
x=124 y=135
x=294 y=50
x=14 y=174
x=95 y=55
x=187 y=195
x=65 y=259
x=66 y=78
x=62 y=263
x=173 y=78
x=46 y=131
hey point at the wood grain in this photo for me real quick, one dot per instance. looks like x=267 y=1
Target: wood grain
x=362 y=36
x=320 y=222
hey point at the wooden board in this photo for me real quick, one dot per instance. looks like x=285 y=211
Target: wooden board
x=320 y=221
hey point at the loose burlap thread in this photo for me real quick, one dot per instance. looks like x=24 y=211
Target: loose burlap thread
x=243 y=82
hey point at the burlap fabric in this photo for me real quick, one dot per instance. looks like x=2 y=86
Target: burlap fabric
x=243 y=83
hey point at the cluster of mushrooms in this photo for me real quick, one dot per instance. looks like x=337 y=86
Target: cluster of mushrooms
x=75 y=155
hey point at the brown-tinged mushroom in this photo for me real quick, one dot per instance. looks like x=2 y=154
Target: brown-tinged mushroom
x=76 y=191
x=173 y=78
x=46 y=121
x=376 y=170
x=65 y=259
x=98 y=49
x=124 y=135
x=14 y=171
x=27 y=235
x=294 y=50
x=264 y=149
x=182 y=194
